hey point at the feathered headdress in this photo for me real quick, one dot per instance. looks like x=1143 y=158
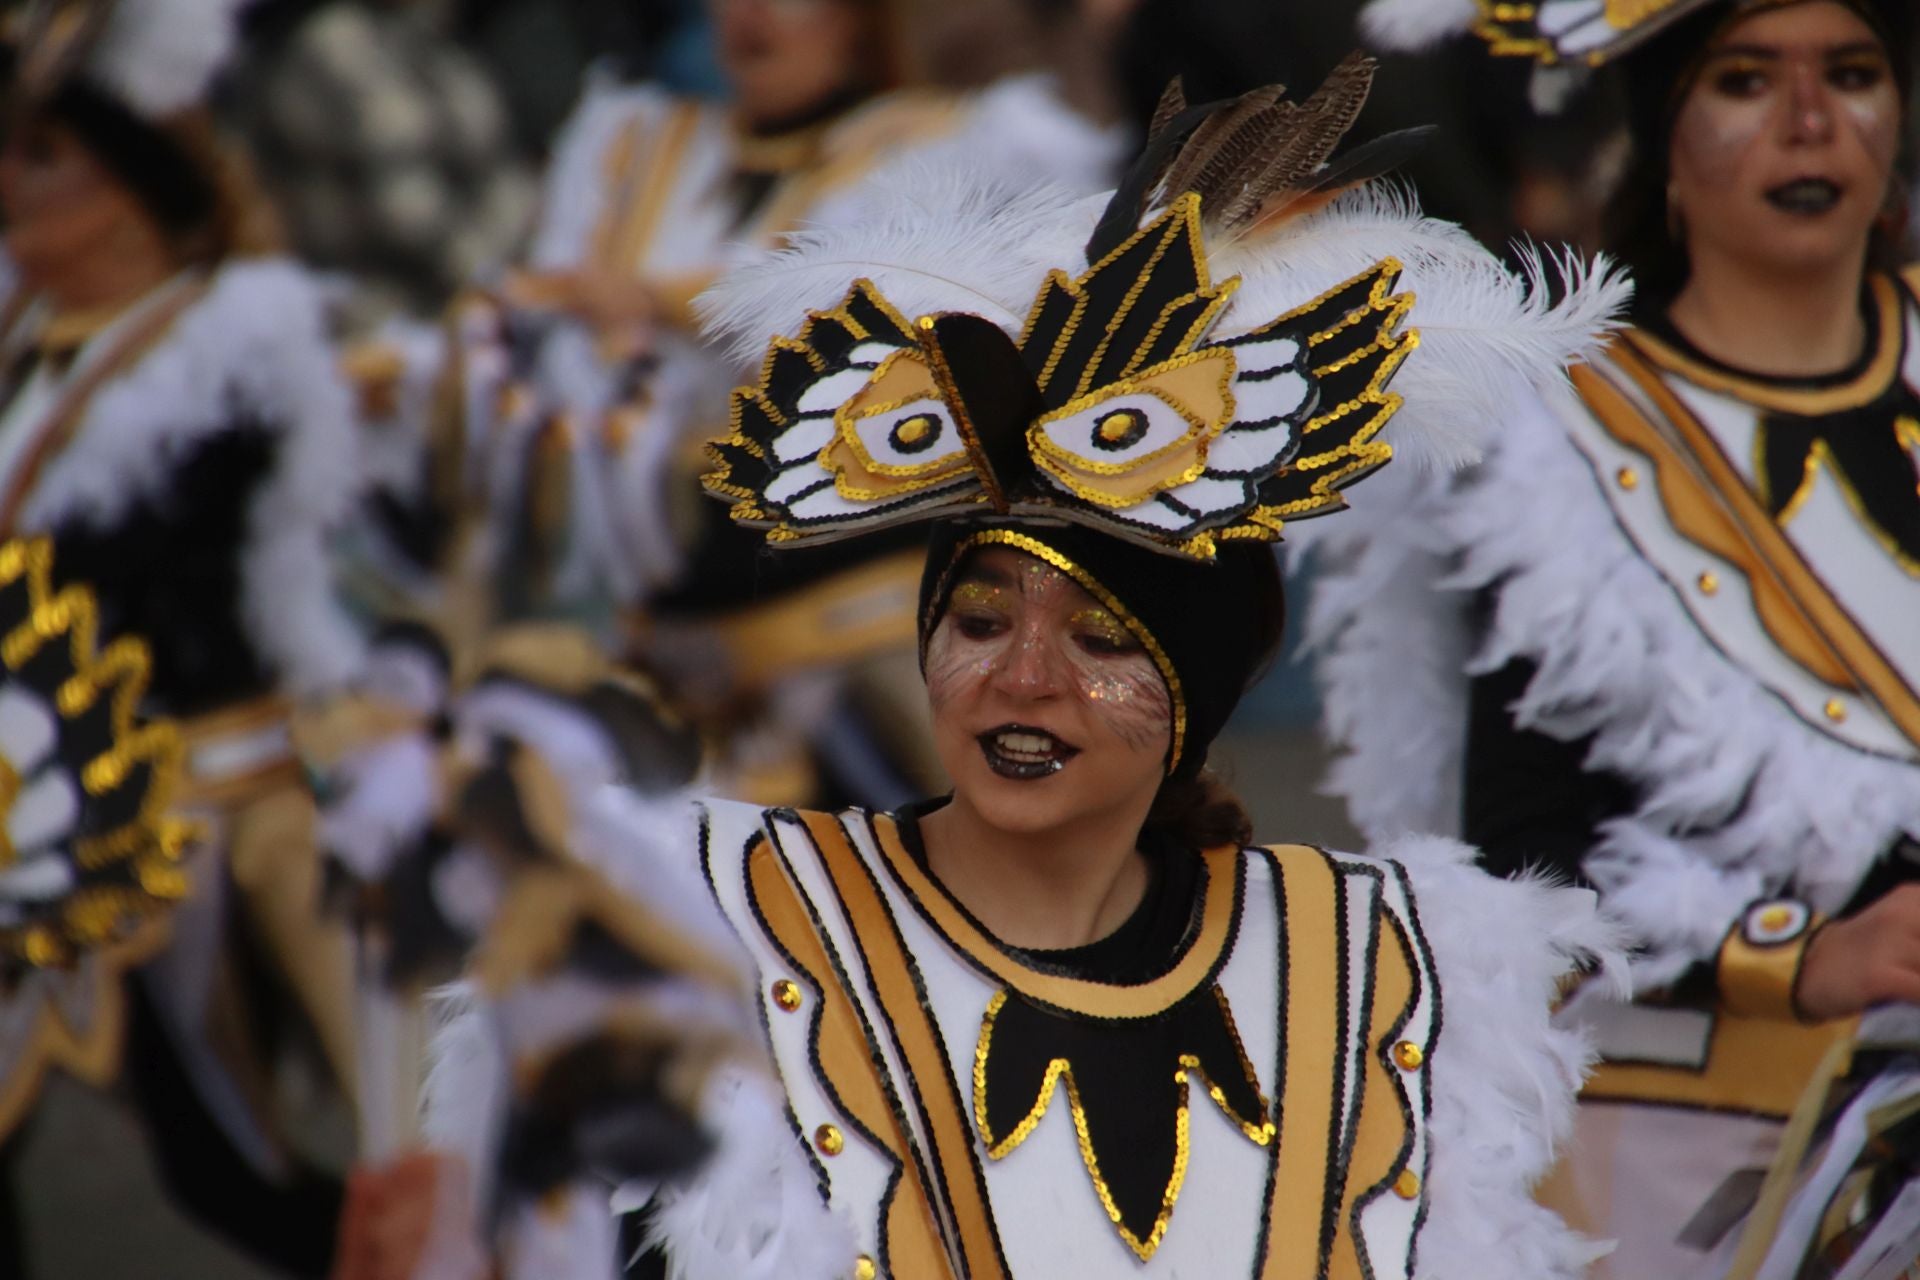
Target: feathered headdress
x=1194 y=360
x=1556 y=33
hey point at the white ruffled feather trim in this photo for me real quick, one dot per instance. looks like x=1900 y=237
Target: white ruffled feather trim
x=1504 y=1075
x=1408 y=26
x=754 y=1212
x=160 y=56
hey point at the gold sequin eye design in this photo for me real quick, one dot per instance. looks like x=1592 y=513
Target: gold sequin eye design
x=915 y=434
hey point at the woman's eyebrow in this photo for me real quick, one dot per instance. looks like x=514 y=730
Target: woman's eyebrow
x=986 y=576
x=1774 y=53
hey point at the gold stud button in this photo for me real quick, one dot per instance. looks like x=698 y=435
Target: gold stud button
x=787 y=995
x=1774 y=919
x=1409 y=1055
x=1628 y=478
x=828 y=1140
x=1836 y=710
x=1709 y=583
x=864 y=1268
x=1407 y=1185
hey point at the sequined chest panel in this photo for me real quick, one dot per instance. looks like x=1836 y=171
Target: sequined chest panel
x=1786 y=520
x=1260 y=1109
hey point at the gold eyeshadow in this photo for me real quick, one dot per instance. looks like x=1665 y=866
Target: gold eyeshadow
x=1103 y=626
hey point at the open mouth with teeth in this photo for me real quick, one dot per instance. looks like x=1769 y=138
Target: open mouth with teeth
x=1023 y=753
x=1808 y=197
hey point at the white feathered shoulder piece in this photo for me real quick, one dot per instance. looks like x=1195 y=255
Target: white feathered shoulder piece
x=1247 y=326
x=158 y=58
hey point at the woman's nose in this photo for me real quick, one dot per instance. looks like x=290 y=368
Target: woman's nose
x=1032 y=668
x=1810 y=107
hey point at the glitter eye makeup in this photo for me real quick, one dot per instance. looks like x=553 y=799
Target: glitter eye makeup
x=1035 y=632
x=1106 y=632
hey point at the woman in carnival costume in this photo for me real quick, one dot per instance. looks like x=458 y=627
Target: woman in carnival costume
x=1667 y=638
x=1068 y=1020
x=172 y=433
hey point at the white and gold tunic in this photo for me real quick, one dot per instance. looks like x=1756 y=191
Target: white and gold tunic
x=1280 y=1101
x=1712 y=581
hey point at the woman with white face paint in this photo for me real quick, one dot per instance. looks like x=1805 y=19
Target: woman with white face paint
x=1683 y=605
x=1068 y=1020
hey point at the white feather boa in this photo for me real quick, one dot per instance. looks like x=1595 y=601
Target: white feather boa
x=253 y=348
x=161 y=56
x=1408 y=26
x=1740 y=799
x=1389 y=644
x=1504 y=1076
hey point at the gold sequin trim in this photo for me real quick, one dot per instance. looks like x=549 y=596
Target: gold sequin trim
x=1906 y=431
x=1363 y=451
x=1095 y=588
x=1060 y=1070
x=151 y=842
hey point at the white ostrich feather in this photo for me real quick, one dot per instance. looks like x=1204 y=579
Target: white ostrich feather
x=1486 y=331
x=160 y=56
x=754 y=1211
x=1408 y=26
x=956 y=238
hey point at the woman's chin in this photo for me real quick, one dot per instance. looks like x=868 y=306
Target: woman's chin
x=1023 y=806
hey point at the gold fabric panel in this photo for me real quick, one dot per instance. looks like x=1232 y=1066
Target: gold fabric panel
x=1699 y=518
x=1381 y=1131
x=639 y=169
x=846 y=1059
x=892 y=973
x=1756 y=1066
x=1770 y=552
x=1757 y=982
x=1309 y=1120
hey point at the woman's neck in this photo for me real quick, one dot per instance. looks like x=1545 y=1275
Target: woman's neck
x=1046 y=890
x=1801 y=325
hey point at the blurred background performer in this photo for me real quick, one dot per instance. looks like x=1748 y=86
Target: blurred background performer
x=1667 y=639
x=170 y=418
x=588 y=387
